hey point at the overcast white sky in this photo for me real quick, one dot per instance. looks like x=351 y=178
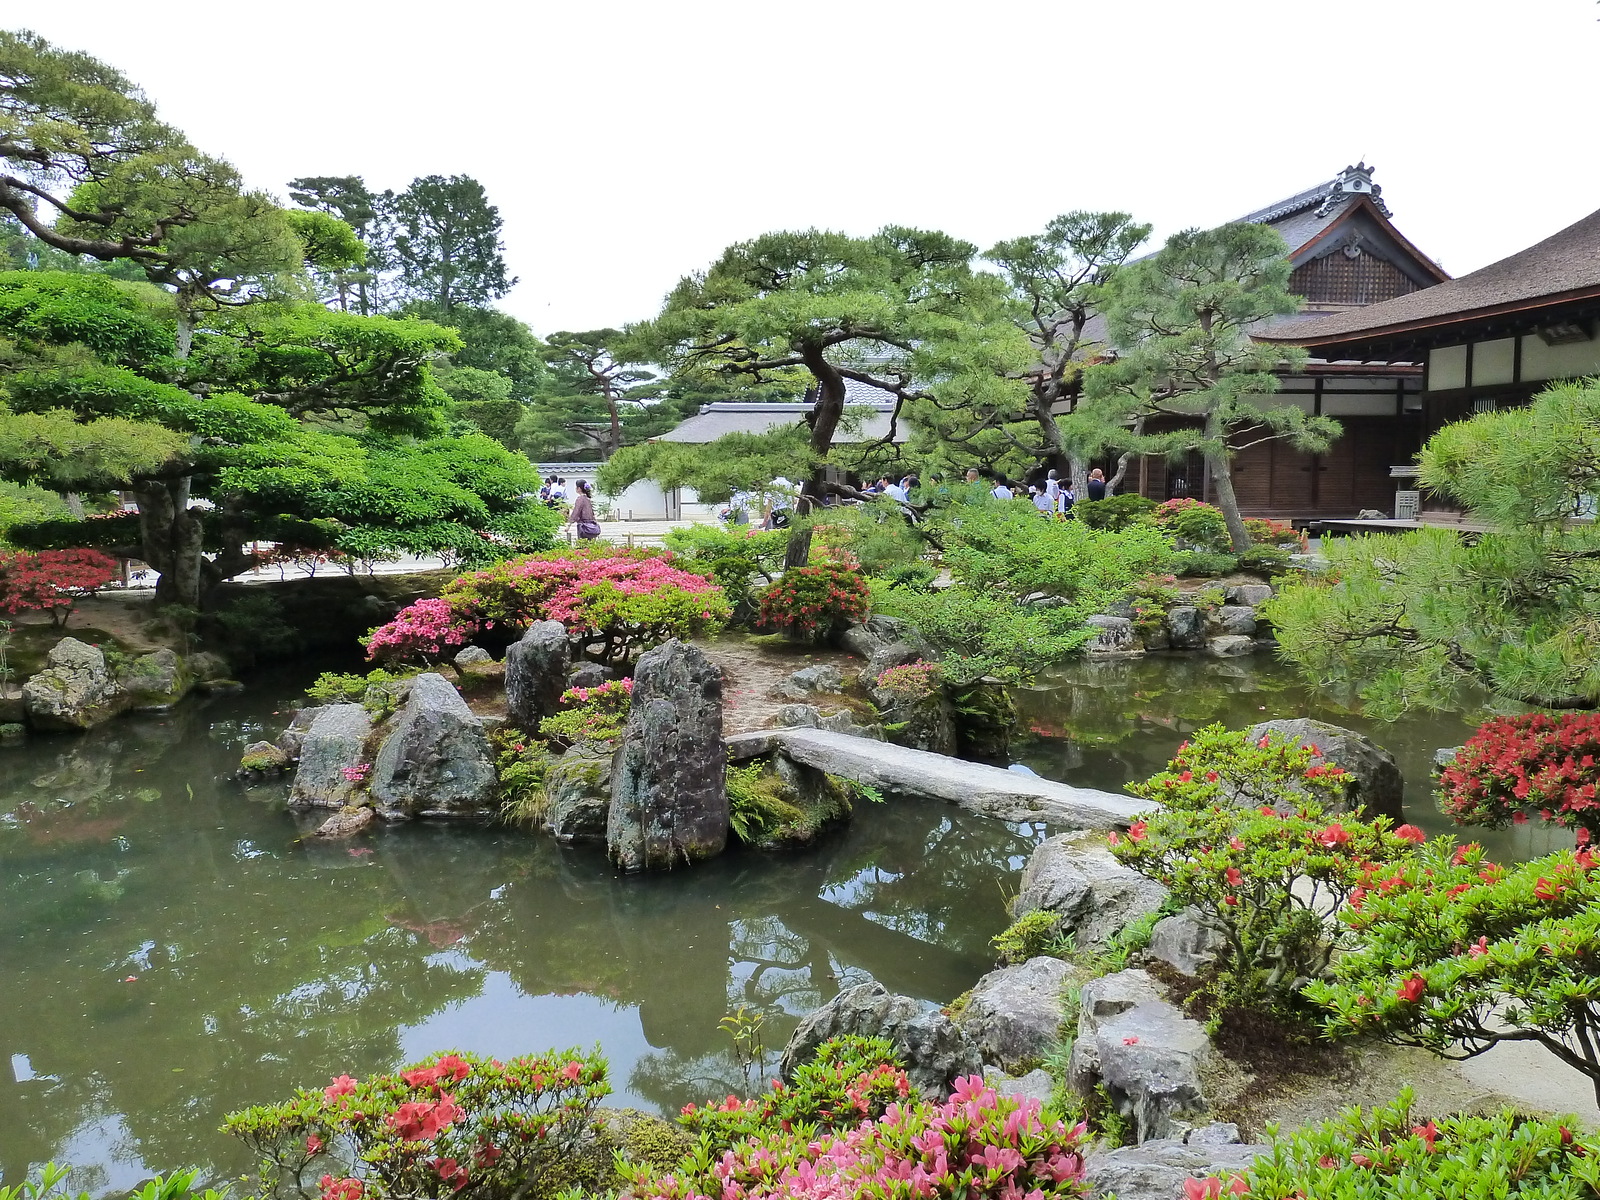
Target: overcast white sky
x=626 y=143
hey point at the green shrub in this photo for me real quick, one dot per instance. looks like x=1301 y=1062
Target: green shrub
x=1114 y=512
x=1200 y=564
x=917 y=576
x=875 y=537
x=741 y=560
x=851 y=1079
x=981 y=634
x=1201 y=525
x=1008 y=550
x=912 y=682
x=1264 y=560
x=1457 y=954
x=595 y=714
x=375 y=690
x=1030 y=935
x=1390 y=1153
x=521 y=764
x=814 y=602
x=180 y=1185
x=428 y=1130
x=764 y=811
x=255 y=623
x=1244 y=836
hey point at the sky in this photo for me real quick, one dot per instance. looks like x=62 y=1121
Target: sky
x=626 y=143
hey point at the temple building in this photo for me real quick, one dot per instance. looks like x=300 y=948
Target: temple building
x=1347 y=255
x=1488 y=339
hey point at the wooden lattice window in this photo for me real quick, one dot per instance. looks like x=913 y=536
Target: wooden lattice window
x=1339 y=278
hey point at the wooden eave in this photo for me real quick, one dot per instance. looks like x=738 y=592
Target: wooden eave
x=1404 y=334
x=1363 y=203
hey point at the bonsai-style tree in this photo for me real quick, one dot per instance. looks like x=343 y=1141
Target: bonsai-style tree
x=1516 y=610
x=597 y=392
x=1054 y=278
x=1457 y=955
x=1180 y=321
x=901 y=311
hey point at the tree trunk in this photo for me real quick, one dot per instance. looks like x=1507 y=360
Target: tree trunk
x=1219 y=467
x=1121 y=472
x=824 y=421
x=185 y=330
x=1054 y=450
x=172 y=536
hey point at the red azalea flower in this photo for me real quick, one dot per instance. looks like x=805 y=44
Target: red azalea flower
x=1411 y=833
x=342 y=1085
x=1136 y=831
x=1412 y=989
x=1333 y=835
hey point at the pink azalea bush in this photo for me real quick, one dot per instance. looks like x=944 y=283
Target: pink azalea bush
x=614 y=602
x=423 y=630
x=455 y=1123
x=913 y=681
x=976 y=1144
x=594 y=714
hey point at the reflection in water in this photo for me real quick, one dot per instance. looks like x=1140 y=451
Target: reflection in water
x=172 y=952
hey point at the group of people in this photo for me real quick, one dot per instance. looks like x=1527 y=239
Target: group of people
x=581 y=514
x=1054 y=497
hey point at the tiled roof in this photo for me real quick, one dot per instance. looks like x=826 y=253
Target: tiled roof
x=1566 y=262
x=715 y=420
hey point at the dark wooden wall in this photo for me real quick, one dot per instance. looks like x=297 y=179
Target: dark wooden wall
x=1338 y=279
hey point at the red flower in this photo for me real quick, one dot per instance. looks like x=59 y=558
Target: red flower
x=1461 y=852
x=1233 y=877
x=1333 y=835
x=1186 y=777
x=1411 y=833
x=1136 y=831
x=342 y=1085
x=340 y=1189
x=1428 y=1133
x=1113 y=838
x=1411 y=990
x=1546 y=890
x=314 y=1144
x=571 y=1071
x=1479 y=948
x=1211 y=777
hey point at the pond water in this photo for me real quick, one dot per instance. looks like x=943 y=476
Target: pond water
x=172 y=952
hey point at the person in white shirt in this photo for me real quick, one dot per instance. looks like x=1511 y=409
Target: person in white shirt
x=1041 y=500
x=895 y=491
x=1052 y=488
x=1000 y=492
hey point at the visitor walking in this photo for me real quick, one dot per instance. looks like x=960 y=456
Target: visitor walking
x=582 y=514
x=1097 y=484
x=1001 y=492
x=1052 y=489
x=1041 y=500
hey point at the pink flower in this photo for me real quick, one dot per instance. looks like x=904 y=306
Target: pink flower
x=1411 y=833
x=342 y=1085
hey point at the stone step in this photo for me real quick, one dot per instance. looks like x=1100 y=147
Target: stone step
x=992 y=791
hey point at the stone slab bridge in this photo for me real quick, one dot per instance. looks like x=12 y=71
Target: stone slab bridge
x=992 y=791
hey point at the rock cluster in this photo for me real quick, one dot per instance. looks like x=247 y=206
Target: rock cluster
x=536 y=673
x=78 y=689
x=1228 y=630
x=435 y=760
x=1159 y=1169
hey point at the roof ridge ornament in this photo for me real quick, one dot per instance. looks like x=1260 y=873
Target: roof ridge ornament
x=1353 y=181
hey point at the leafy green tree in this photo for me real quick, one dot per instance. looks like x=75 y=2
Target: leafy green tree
x=1407 y=619
x=901 y=310
x=446 y=246
x=596 y=389
x=1180 y=321
x=344 y=276
x=1054 y=279
x=495 y=374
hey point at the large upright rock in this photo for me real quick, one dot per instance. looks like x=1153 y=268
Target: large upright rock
x=436 y=762
x=935 y=1052
x=536 y=673
x=577 y=789
x=1148 y=1055
x=1375 y=782
x=1076 y=876
x=334 y=742
x=669 y=799
x=75 y=691
x=1014 y=1014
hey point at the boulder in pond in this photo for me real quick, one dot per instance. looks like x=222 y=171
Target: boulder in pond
x=156 y=681
x=577 y=789
x=1230 y=645
x=935 y=1052
x=347 y=822
x=436 y=760
x=1186 y=627
x=206 y=666
x=261 y=760
x=669 y=798
x=536 y=673
x=1148 y=1054
x=1013 y=1016
x=1237 y=618
x=334 y=742
x=1113 y=636
x=75 y=691
x=1076 y=876
x=294 y=734
x=1375 y=783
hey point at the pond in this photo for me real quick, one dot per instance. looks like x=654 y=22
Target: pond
x=172 y=952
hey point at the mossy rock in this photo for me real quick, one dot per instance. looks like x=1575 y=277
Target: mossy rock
x=636 y=1137
x=777 y=804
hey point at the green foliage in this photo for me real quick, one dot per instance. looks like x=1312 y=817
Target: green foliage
x=765 y=811
x=521 y=764
x=24 y=504
x=1200 y=564
x=913 y=576
x=596 y=714
x=596 y=396
x=1407 y=619
x=375 y=690
x=1030 y=935
x=1180 y=321
x=1007 y=549
x=1384 y=1153
x=1457 y=954
x=1201 y=525
x=739 y=558
x=1264 y=560
x=980 y=635
x=876 y=536
x=179 y=1185
x=429 y=1129
x=254 y=622
x=1244 y=835
x=444 y=242
x=1114 y=512
x=843 y=1085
